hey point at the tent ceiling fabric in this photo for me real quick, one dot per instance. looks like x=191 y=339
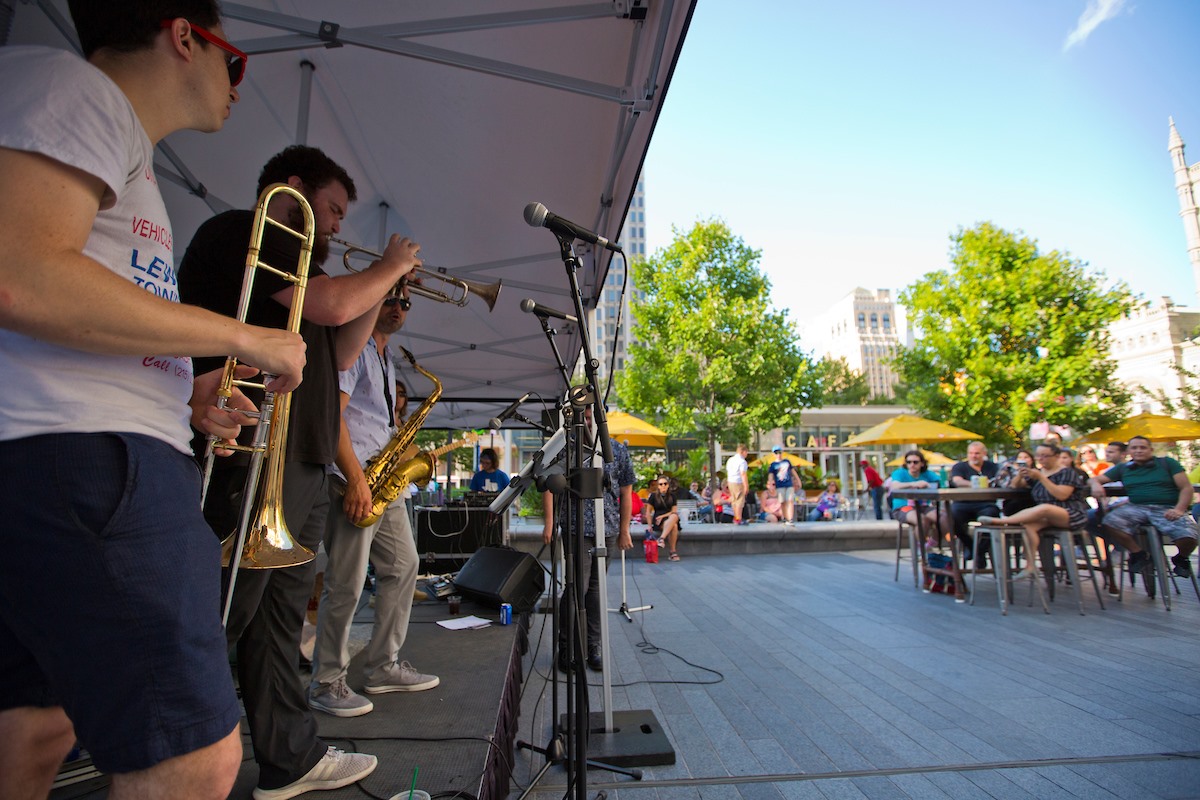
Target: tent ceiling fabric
x=450 y=121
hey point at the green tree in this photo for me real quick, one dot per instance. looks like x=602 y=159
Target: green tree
x=841 y=385
x=712 y=356
x=1012 y=336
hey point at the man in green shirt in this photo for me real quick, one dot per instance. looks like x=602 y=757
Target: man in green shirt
x=1160 y=494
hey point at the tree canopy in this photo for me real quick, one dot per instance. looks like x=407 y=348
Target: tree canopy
x=1012 y=336
x=711 y=355
x=841 y=385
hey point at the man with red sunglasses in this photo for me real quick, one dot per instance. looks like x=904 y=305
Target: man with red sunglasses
x=123 y=649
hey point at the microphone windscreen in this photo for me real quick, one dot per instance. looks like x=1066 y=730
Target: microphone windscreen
x=535 y=214
x=527 y=305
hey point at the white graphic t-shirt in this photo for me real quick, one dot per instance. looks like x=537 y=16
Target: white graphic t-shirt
x=54 y=103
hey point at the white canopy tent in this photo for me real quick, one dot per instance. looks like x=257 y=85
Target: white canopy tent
x=450 y=121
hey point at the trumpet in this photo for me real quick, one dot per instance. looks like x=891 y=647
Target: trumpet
x=458 y=293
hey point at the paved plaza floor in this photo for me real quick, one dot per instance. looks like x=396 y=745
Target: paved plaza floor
x=819 y=676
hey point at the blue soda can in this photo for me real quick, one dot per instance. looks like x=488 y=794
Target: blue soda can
x=506 y=613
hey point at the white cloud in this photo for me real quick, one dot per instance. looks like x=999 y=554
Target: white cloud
x=1097 y=12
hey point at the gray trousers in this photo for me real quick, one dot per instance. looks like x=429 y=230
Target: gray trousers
x=389 y=545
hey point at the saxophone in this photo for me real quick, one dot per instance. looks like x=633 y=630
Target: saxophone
x=387 y=473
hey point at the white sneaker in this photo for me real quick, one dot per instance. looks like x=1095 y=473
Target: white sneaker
x=335 y=770
x=402 y=677
x=339 y=700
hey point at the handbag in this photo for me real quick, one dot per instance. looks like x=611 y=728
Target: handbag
x=651 y=548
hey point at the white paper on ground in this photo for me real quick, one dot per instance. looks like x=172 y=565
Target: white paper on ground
x=464 y=623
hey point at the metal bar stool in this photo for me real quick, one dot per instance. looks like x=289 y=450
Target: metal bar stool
x=1065 y=539
x=1000 y=534
x=1166 y=578
x=915 y=552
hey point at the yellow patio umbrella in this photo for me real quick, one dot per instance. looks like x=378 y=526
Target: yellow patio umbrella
x=908 y=429
x=1155 y=427
x=797 y=461
x=634 y=432
x=931 y=458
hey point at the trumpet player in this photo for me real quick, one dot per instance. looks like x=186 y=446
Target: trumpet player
x=338 y=313
x=110 y=576
x=368 y=420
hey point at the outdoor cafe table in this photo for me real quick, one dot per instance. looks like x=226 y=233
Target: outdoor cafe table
x=947 y=496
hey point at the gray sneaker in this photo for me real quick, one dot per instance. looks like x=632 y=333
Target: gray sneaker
x=335 y=770
x=339 y=700
x=402 y=678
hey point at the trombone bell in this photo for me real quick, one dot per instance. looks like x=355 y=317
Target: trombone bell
x=268 y=544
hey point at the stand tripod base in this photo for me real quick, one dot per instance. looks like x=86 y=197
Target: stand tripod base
x=637 y=740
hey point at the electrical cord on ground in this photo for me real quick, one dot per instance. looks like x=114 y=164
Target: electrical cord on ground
x=646 y=647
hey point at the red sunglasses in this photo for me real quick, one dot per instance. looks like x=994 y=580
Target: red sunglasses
x=235 y=61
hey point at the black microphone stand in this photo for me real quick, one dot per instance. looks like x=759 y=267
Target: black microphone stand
x=582 y=484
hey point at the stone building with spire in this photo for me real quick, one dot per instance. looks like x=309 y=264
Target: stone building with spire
x=1159 y=336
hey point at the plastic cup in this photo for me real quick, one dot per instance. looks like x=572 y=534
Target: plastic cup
x=455 y=603
x=417 y=794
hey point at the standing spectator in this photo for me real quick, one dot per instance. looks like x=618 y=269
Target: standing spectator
x=874 y=486
x=966 y=474
x=1160 y=494
x=735 y=473
x=784 y=474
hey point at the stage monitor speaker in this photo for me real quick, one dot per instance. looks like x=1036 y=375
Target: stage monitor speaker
x=496 y=575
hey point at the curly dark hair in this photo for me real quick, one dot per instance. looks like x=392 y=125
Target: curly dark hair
x=129 y=25
x=310 y=165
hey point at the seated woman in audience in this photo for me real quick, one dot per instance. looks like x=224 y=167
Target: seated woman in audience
x=827 y=503
x=1009 y=477
x=915 y=474
x=664 y=515
x=704 y=504
x=770 y=503
x=723 y=503
x=1059 y=494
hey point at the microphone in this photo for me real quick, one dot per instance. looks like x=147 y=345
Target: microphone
x=538 y=216
x=530 y=307
x=495 y=422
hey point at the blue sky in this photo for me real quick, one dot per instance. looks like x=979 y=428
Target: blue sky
x=848 y=140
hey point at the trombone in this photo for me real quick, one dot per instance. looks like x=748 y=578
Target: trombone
x=266 y=542
x=458 y=293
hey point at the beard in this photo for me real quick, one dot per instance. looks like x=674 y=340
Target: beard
x=320 y=251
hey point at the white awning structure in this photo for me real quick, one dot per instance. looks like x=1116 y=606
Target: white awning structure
x=451 y=117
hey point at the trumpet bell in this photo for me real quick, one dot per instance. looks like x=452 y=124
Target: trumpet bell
x=487 y=291
x=268 y=544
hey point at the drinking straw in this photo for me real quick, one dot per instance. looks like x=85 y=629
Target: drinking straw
x=413 y=788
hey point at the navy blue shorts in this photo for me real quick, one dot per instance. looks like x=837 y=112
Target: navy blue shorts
x=110 y=596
